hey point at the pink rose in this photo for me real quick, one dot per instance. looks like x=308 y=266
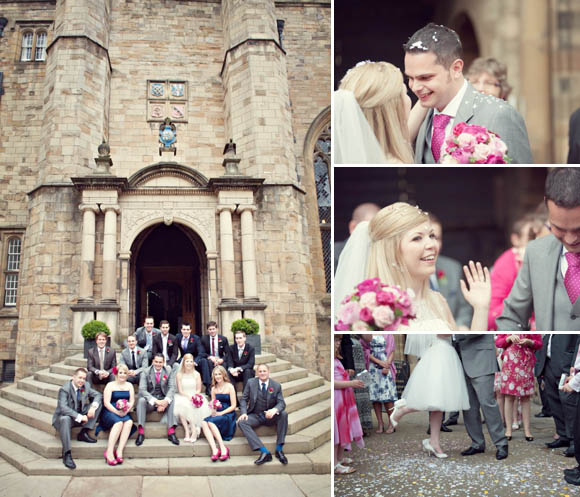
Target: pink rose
x=448 y=159
x=495 y=159
x=466 y=141
x=370 y=285
x=461 y=156
x=340 y=326
x=360 y=326
x=459 y=128
x=349 y=312
x=480 y=133
x=385 y=298
x=369 y=300
x=383 y=316
x=366 y=315
x=481 y=152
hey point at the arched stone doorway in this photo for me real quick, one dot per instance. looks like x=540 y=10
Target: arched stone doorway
x=169 y=276
x=462 y=24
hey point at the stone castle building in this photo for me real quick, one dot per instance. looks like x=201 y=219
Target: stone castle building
x=162 y=218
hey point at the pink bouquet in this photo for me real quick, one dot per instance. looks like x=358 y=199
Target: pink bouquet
x=470 y=144
x=197 y=400
x=216 y=404
x=375 y=306
x=122 y=405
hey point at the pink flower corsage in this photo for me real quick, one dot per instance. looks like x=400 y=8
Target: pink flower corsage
x=115 y=370
x=271 y=390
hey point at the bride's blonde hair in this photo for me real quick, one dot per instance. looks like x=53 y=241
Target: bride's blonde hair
x=386 y=232
x=378 y=89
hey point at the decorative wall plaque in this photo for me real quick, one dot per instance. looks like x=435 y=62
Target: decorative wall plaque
x=166 y=99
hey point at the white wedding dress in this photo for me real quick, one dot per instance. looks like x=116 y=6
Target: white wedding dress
x=184 y=406
x=437 y=382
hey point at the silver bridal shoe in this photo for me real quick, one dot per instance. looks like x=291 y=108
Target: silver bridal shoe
x=431 y=451
x=398 y=405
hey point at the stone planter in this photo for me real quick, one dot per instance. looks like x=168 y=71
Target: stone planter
x=256 y=342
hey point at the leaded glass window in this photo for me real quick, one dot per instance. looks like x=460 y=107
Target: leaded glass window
x=40 y=50
x=321 y=161
x=26 y=53
x=12 y=269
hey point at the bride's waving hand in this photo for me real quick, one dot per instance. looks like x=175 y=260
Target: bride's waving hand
x=477 y=292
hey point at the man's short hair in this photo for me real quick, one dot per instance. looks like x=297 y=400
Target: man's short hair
x=159 y=354
x=441 y=40
x=239 y=331
x=210 y=324
x=563 y=187
x=162 y=322
x=187 y=325
x=79 y=370
x=101 y=333
x=263 y=364
x=148 y=317
x=132 y=335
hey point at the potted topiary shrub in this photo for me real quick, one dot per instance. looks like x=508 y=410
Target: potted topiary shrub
x=252 y=329
x=90 y=331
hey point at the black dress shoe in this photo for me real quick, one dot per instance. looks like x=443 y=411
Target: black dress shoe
x=542 y=415
x=264 y=457
x=280 y=455
x=445 y=429
x=573 y=480
x=570 y=451
x=575 y=472
x=84 y=436
x=556 y=444
x=450 y=422
x=502 y=453
x=68 y=461
x=139 y=440
x=173 y=439
x=472 y=450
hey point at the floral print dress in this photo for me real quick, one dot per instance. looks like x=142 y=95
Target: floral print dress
x=517 y=372
x=383 y=387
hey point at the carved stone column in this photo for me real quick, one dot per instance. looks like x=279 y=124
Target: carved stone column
x=110 y=253
x=248 y=253
x=88 y=252
x=227 y=252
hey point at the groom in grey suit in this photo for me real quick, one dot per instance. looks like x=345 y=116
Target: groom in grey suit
x=477 y=353
x=544 y=285
x=434 y=68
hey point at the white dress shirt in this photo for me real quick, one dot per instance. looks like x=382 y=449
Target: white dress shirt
x=451 y=109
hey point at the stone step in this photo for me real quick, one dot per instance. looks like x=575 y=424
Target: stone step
x=31 y=463
x=285 y=375
x=36 y=411
x=78 y=361
x=293 y=402
x=46 y=376
x=48 y=445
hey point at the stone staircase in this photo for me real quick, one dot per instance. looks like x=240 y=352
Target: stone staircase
x=30 y=443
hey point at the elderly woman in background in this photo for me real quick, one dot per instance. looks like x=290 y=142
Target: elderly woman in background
x=489 y=75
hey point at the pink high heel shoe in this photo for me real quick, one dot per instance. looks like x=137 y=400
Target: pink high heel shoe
x=119 y=460
x=215 y=457
x=110 y=463
x=226 y=456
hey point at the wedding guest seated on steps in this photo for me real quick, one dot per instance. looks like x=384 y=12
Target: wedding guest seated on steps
x=78 y=405
x=156 y=391
x=242 y=359
x=135 y=358
x=263 y=404
x=100 y=361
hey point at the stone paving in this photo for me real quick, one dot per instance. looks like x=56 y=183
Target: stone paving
x=394 y=465
x=16 y=484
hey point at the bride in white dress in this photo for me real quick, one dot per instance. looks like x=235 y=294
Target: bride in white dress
x=188 y=383
x=399 y=246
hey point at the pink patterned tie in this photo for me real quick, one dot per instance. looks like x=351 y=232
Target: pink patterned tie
x=440 y=122
x=572 y=278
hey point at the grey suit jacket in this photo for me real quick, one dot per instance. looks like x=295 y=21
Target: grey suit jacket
x=477 y=354
x=148 y=380
x=141 y=335
x=141 y=359
x=450 y=289
x=66 y=405
x=483 y=110
x=250 y=395
x=534 y=289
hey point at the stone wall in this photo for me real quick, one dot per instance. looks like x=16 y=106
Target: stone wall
x=49 y=277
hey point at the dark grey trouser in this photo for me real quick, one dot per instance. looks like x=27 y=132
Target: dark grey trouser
x=480 y=390
x=562 y=404
x=65 y=424
x=255 y=420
